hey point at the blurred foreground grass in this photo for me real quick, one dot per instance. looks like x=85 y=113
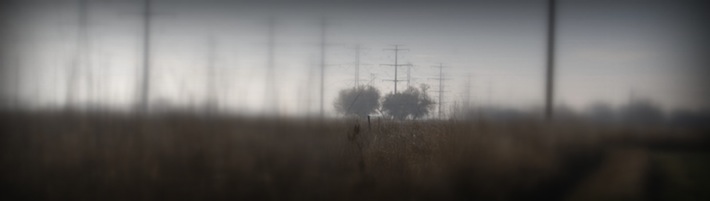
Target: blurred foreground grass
x=681 y=176
x=99 y=156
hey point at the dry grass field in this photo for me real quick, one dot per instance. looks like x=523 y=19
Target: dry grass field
x=99 y=156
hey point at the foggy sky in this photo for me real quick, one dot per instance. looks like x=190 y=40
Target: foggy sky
x=607 y=50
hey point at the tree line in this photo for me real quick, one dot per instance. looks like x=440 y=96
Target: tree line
x=364 y=100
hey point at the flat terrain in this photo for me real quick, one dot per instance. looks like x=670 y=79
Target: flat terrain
x=101 y=156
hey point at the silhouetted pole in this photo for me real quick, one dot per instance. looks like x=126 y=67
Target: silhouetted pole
x=409 y=75
x=489 y=93
x=468 y=91
x=322 y=66
x=550 y=79
x=16 y=82
x=310 y=83
x=80 y=57
x=145 y=82
x=270 y=80
x=211 y=86
x=89 y=73
x=396 y=65
x=357 y=65
x=441 y=88
x=358 y=48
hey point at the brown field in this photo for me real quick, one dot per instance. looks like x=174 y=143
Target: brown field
x=98 y=156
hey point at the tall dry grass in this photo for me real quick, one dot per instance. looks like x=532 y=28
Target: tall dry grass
x=96 y=156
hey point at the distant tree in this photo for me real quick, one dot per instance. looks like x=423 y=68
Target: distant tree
x=360 y=101
x=411 y=103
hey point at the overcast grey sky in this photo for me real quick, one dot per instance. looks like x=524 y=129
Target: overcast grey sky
x=607 y=50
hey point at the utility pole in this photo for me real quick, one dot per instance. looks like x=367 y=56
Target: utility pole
x=310 y=83
x=441 y=87
x=322 y=66
x=145 y=82
x=550 y=73
x=489 y=94
x=90 y=87
x=396 y=65
x=358 y=48
x=271 y=95
x=16 y=82
x=80 y=58
x=409 y=75
x=357 y=65
x=210 y=82
x=468 y=92
x=86 y=60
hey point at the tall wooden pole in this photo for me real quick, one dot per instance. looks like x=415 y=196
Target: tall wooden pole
x=322 y=67
x=145 y=81
x=550 y=72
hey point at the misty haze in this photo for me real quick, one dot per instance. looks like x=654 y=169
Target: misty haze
x=354 y=100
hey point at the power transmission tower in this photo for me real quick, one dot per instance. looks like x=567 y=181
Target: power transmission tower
x=550 y=73
x=396 y=65
x=441 y=87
